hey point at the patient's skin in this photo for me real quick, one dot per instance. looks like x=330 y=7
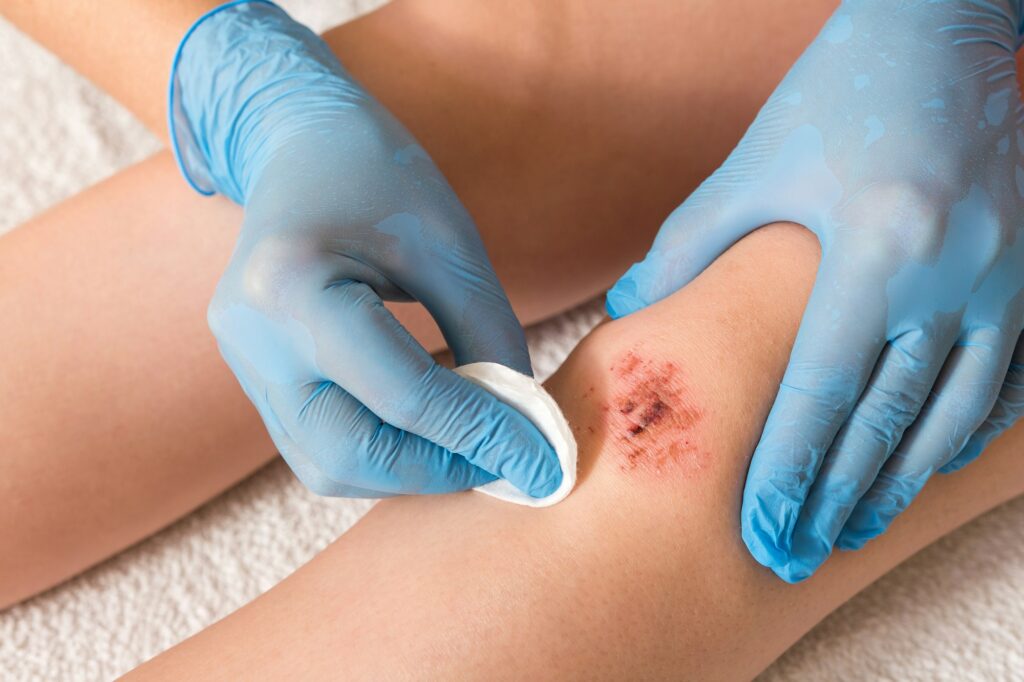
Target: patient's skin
x=654 y=398
x=568 y=133
x=640 y=573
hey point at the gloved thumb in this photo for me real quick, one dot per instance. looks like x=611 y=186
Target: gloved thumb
x=690 y=239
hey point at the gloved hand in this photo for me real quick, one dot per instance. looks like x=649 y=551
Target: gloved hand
x=343 y=210
x=897 y=139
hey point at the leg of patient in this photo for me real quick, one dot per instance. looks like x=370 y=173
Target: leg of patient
x=118 y=413
x=640 y=573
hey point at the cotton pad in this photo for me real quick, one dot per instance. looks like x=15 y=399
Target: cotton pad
x=529 y=397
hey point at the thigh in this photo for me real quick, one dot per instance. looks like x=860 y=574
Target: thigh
x=118 y=413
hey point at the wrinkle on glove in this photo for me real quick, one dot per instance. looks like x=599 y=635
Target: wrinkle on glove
x=528 y=396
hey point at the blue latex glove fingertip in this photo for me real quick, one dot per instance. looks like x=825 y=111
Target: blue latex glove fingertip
x=621 y=300
x=550 y=485
x=763 y=548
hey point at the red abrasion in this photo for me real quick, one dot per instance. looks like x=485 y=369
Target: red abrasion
x=629 y=363
x=655 y=418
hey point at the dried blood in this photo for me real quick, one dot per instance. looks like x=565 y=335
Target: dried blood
x=653 y=415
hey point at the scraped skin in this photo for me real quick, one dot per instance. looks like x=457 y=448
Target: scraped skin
x=119 y=414
x=640 y=573
x=655 y=399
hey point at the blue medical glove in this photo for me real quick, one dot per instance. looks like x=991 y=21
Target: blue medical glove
x=897 y=139
x=343 y=210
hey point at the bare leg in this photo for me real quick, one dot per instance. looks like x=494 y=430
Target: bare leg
x=566 y=134
x=640 y=573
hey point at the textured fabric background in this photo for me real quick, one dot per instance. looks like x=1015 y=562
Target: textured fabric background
x=954 y=612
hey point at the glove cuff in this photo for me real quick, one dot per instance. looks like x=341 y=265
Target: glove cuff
x=231 y=80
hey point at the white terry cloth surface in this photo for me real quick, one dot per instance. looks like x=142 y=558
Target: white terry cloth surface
x=528 y=396
x=953 y=612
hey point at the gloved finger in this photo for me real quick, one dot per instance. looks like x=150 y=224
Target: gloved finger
x=314 y=477
x=895 y=393
x=304 y=469
x=341 y=446
x=362 y=348
x=690 y=239
x=457 y=285
x=836 y=349
x=964 y=395
x=1008 y=409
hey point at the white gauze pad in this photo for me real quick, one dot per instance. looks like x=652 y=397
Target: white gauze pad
x=529 y=397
